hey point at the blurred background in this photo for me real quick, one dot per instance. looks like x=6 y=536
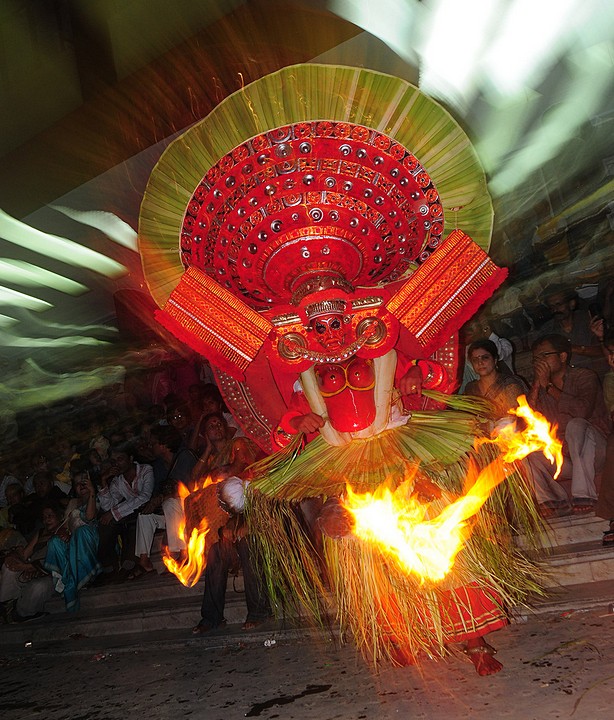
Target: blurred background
x=92 y=91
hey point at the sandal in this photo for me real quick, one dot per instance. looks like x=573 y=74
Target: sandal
x=582 y=506
x=608 y=536
x=139 y=571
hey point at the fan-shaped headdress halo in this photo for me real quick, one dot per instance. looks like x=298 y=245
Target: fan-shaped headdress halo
x=287 y=182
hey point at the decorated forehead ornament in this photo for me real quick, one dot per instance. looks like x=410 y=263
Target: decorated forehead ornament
x=325 y=307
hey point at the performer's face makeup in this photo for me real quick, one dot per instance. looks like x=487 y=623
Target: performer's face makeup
x=329 y=331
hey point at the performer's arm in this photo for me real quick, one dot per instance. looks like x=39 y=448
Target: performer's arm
x=414 y=376
x=298 y=419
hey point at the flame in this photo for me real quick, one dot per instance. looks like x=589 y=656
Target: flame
x=397 y=522
x=539 y=435
x=189 y=570
x=427 y=547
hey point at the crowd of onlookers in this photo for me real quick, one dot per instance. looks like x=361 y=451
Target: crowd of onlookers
x=82 y=497
x=80 y=505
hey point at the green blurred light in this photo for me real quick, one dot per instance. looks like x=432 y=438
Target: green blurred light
x=19 y=299
x=56 y=247
x=23 y=273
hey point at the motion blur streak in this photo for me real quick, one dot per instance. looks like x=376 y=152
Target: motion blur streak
x=56 y=247
x=112 y=226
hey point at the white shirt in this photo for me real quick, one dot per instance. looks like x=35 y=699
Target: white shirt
x=123 y=498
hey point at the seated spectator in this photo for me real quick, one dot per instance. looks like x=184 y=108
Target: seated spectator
x=65 y=454
x=573 y=321
x=7 y=480
x=25 y=587
x=501 y=389
x=605 y=502
x=164 y=510
x=45 y=492
x=479 y=328
x=98 y=440
x=10 y=516
x=223 y=449
x=125 y=486
x=178 y=416
x=72 y=552
x=571 y=398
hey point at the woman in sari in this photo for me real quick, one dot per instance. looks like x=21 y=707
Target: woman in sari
x=72 y=553
x=500 y=389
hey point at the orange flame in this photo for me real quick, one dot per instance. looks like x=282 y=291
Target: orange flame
x=538 y=436
x=189 y=570
x=427 y=547
x=397 y=522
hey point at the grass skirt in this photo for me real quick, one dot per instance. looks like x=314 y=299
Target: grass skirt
x=382 y=606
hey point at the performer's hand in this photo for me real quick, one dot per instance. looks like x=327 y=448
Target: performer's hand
x=309 y=423
x=334 y=520
x=411 y=382
x=425 y=490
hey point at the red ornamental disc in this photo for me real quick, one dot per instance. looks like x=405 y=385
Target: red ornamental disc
x=318 y=198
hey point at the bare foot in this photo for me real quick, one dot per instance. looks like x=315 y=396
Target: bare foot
x=400 y=654
x=481 y=655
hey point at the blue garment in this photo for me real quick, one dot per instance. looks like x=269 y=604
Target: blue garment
x=74 y=563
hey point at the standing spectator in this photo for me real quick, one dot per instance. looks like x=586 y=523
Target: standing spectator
x=572 y=399
x=125 y=487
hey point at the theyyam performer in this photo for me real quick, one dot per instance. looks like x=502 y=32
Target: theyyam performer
x=320 y=237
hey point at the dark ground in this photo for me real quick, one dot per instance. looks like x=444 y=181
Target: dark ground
x=555 y=666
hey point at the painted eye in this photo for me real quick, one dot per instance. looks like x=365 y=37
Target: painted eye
x=320 y=329
x=336 y=324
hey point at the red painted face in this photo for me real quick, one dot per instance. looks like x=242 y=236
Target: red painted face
x=329 y=331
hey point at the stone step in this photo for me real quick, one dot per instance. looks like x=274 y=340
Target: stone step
x=570 y=529
x=580 y=563
x=146 y=617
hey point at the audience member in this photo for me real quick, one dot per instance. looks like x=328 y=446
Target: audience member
x=211 y=401
x=72 y=552
x=10 y=516
x=178 y=417
x=45 y=492
x=605 y=502
x=570 y=398
x=479 y=328
x=25 y=587
x=164 y=510
x=223 y=449
x=125 y=487
x=573 y=321
x=500 y=389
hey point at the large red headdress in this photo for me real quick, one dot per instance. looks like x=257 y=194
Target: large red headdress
x=317 y=184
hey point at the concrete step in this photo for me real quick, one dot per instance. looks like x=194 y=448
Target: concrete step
x=579 y=563
x=144 y=610
x=570 y=529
